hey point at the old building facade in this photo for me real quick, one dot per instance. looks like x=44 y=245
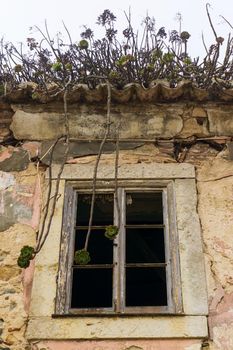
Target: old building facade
x=175 y=155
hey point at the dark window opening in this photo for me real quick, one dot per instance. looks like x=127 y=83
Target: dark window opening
x=92 y=283
x=92 y=288
x=146 y=287
x=103 y=209
x=145 y=245
x=144 y=208
x=140 y=255
x=145 y=250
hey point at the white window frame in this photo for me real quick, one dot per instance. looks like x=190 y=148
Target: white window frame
x=64 y=284
x=191 y=323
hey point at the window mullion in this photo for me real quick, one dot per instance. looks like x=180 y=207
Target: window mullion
x=122 y=249
x=118 y=256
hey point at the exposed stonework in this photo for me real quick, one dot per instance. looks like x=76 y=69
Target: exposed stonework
x=220 y=120
x=6 y=114
x=19 y=220
x=13 y=315
x=13 y=159
x=151 y=133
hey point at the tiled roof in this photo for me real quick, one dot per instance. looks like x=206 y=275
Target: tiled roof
x=158 y=92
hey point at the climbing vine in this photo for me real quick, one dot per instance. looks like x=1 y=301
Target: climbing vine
x=81 y=256
x=56 y=67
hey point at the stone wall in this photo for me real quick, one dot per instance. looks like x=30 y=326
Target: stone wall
x=182 y=132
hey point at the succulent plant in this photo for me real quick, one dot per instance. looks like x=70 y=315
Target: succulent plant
x=68 y=66
x=26 y=254
x=184 y=36
x=83 y=44
x=123 y=60
x=82 y=257
x=168 y=57
x=57 y=66
x=111 y=231
x=18 y=68
x=23 y=262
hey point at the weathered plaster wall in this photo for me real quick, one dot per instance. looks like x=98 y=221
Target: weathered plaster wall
x=19 y=219
x=163 y=133
x=215 y=187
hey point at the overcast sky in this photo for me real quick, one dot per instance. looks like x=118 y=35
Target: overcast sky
x=16 y=16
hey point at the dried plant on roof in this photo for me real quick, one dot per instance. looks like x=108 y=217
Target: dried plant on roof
x=122 y=58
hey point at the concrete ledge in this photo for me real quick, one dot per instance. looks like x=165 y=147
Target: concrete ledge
x=45 y=328
x=125 y=171
x=145 y=121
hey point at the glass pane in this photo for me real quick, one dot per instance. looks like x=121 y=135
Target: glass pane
x=92 y=288
x=99 y=247
x=146 y=287
x=103 y=209
x=145 y=245
x=144 y=208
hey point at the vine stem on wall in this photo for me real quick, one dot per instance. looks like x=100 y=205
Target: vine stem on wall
x=49 y=212
x=106 y=134
x=116 y=177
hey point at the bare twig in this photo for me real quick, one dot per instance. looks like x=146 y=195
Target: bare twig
x=44 y=234
x=116 y=178
x=210 y=21
x=203 y=42
x=226 y=21
x=41 y=233
x=106 y=134
x=49 y=213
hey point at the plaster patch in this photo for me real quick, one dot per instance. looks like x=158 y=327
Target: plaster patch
x=6 y=180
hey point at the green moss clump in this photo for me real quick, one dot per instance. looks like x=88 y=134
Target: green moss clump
x=82 y=257
x=111 y=231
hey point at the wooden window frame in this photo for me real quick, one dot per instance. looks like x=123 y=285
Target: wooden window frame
x=64 y=280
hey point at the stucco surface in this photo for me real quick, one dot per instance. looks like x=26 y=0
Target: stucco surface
x=139 y=122
x=115 y=328
x=19 y=220
x=182 y=133
x=215 y=188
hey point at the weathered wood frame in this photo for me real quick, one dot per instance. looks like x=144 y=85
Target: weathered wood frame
x=64 y=280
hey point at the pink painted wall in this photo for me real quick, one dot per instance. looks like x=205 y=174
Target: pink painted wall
x=121 y=345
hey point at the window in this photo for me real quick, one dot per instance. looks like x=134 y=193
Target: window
x=138 y=271
x=184 y=315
